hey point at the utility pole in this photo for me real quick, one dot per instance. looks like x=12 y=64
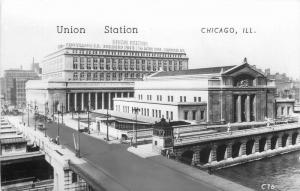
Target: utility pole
x=62 y=113
x=28 y=115
x=134 y=133
x=35 y=115
x=78 y=137
x=58 y=127
x=107 y=116
x=45 y=119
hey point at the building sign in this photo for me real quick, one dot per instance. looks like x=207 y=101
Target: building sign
x=124 y=45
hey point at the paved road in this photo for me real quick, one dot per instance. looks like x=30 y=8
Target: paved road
x=129 y=170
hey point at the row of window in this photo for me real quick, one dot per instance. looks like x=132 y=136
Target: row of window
x=128 y=53
x=106 y=76
x=170 y=98
x=154 y=66
x=156 y=113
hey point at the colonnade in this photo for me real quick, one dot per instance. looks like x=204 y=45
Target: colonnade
x=80 y=101
x=245 y=106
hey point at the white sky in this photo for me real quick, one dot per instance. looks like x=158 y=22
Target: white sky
x=28 y=29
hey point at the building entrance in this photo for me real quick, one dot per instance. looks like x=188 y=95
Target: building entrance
x=244 y=108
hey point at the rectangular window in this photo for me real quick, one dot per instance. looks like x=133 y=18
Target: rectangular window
x=199 y=99
x=184 y=98
x=201 y=115
x=194 y=115
x=8 y=148
x=186 y=114
x=159 y=113
x=75 y=66
x=180 y=98
x=195 y=99
x=101 y=76
x=74 y=177
x=171 y=115
x=88 y=76
x=107 y=76
x=167 y=114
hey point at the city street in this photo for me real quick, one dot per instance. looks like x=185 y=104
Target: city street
x=126 y=168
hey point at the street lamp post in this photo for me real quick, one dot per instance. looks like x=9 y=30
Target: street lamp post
x=45 y=119
x=58 y=127
x=35 y=115
x=107 y=116
x=28 y=114
x=134 y=133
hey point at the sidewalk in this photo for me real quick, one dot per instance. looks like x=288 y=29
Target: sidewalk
x=143 y=151
x=200 y=175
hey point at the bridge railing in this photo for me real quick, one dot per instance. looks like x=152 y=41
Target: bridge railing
x=212 y=136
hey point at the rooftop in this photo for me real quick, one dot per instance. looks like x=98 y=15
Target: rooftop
x=210 y=70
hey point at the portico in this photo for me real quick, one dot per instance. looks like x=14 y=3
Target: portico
x=79 y=100
x=244 y=105
x=77 y=96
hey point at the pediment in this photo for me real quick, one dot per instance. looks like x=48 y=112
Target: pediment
x=244 y=69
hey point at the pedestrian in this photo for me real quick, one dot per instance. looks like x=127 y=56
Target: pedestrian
x=168 y=155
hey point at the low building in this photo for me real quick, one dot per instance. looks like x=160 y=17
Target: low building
x=284 y=107
x=206 y=95
x=11 y=142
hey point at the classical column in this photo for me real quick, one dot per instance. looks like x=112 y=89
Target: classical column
x=75 y=101
x=102 y=100
x=89 y=101
x=213 y=154
x=228 y=152
x=238 y=109
x=109 y=100
x=254 y=107
x=242 y=150
x=289 y=139
x=279 y=141
x=96 y=100
x=196 y=158
x=268 y=143
x=285 y=111
x=82 y=101
x=68 y=104
x=256 y=144
x=248 y=108
x=122 y=94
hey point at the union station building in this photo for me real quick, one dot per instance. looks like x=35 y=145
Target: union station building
x=214 y=95
x=80 y=76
